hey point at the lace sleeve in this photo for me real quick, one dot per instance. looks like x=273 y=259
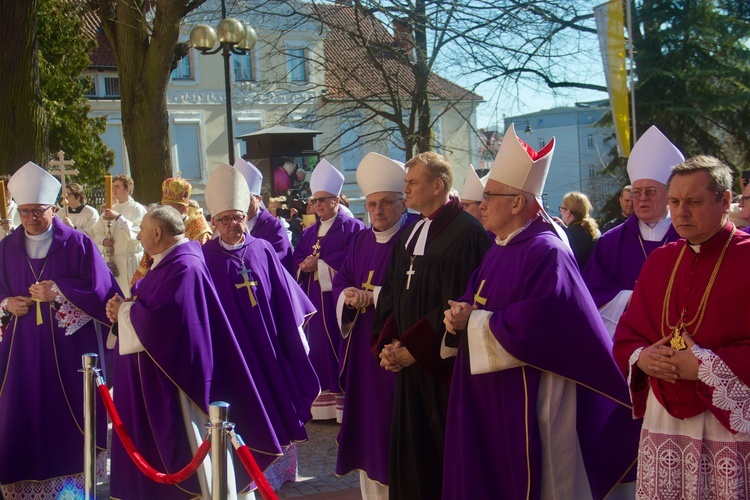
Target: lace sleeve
x=4 y=316
x=68 y=316
x=729 y=392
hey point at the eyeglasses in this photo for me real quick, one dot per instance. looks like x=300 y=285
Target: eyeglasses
x=563 y=208
x=645 y=193
x=465 y=204
x=315 y=201
x=371 y=206
x=36 y=212
x=487 y=196
x=237 y=219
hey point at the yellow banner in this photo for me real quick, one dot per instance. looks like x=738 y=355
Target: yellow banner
x=610 y=28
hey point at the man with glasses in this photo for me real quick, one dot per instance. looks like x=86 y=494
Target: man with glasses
x=261 y=223
x=619 y=254
x=745 y=207
x=122 y=235
x=525 y=419
x=54 y=285
x=431 y=263
x=267 y=310
x=366 y=427
x=316 y=259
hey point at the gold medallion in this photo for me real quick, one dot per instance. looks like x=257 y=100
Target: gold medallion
x=678 y=341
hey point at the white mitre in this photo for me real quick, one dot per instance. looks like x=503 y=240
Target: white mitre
x=226 y=189
x=517 y=165
x=32 y=185
x=252 y=175
x=326 y=178
x=473 y=188
x=653 y=157
x=377 y=173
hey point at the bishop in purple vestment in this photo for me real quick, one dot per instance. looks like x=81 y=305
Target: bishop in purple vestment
x=178 y=353
x=538 y=408
x=366 y=426
x=318 y=257
x=619 y=254
x=41 y=343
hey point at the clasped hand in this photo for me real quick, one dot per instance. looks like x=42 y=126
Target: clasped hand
x=394 y=357
x=457 y=317
x=309 y=265
x=356 y=298
x=666 y=363
x=113 y=307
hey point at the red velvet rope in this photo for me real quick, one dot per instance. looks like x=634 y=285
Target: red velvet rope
x=252 y=468
x=138 y=459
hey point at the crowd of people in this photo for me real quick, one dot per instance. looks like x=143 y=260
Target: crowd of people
x=470 y=344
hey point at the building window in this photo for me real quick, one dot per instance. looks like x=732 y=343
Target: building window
x=187 y=149
x=590 y=141
x=542 y=143
x=244 y=127
x=89 y=86
x=184 y=69
x=111 y=86
x=243 y=67
x=297 y=64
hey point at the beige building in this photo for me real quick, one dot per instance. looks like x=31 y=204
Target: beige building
x=292 y=77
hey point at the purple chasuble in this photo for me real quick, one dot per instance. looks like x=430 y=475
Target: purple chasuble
x=322 y=330
x=617 y=260
x=544 y=317
x=189 y=348
x=41 y=390
x=366 y=427
x=266 y=311
x=269 y=228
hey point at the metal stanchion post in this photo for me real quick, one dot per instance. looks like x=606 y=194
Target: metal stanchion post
x=90 y=372
x=218 y=413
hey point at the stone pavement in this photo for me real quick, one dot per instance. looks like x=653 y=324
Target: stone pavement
x=316 y=477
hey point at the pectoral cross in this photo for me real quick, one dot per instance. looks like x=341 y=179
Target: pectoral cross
x=61 y=162
x=39 y=319
x=247 y=284
x=677 y=341
x=316 y=251
x=368 y=286
x=410 y=272
x=478 y=298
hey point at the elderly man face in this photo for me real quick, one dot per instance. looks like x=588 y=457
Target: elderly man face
x=472 y=207
x=385 y=209
x=696 y=212
x=325 y=204
x=497 y=208
x=254 y=207
x=231 y=225
x=35 y=218
x=649 y=200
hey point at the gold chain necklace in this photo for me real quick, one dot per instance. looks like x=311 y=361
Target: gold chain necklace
x=679 y=329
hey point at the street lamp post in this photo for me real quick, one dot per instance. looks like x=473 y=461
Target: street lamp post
x=234 y=37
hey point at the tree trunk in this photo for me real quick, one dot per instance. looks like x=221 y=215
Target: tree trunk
x=423 y=136
x=23 y=127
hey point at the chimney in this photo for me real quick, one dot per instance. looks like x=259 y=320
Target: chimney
x=345 y=3
x=402 y=37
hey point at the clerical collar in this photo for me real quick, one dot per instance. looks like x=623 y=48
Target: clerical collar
x=434 y=214
x=657 y=232
x=504 y=242
x=76 y=210
x=251 y=222
x=385 y=236
x=160 y=256
x=227 y=246
x=37 y=245
x=325 y=225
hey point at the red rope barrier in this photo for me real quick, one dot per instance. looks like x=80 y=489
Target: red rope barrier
x=258 y=478
x=138 y=459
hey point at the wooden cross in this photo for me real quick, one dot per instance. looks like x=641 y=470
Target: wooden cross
x=478 y=298
x=368 y=286
x=410 y=272
x=247 y=284
x=61 y=163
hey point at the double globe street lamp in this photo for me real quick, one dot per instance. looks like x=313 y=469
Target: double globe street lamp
x=234 y=37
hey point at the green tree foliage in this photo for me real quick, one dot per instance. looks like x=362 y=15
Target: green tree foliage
x=63 y=58
x=693 y=76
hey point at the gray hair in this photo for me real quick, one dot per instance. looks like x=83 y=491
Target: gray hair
x=719 y=174
x=167 y=218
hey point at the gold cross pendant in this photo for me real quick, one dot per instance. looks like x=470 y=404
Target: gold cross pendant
x=678 y=341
